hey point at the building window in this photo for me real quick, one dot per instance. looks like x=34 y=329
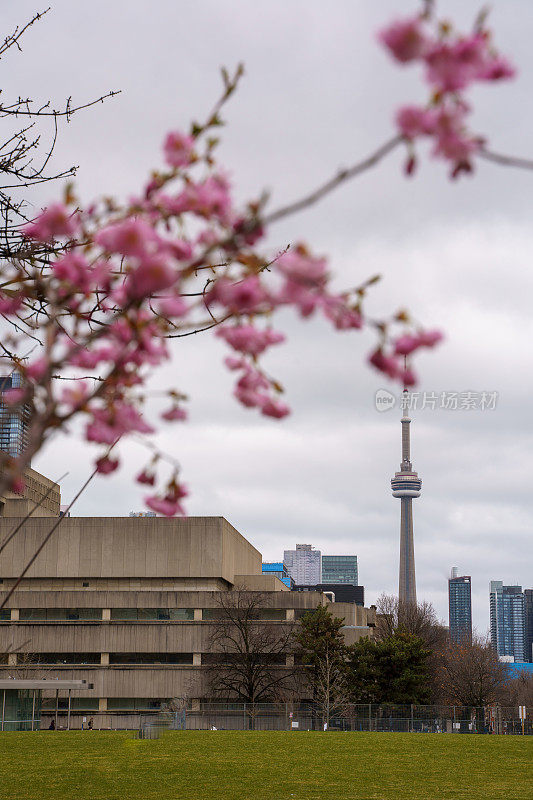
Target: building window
x=150 y=658
x=261 y=614
x=134 y=704
x=152 y=614
x=31 y=659
x=60 y=614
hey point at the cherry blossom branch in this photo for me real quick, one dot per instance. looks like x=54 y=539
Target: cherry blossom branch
x=505 y=160
x=330 y=185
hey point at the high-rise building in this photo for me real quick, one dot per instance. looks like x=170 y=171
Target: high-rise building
x=339 y=569
x=460 y=608
x=406 y=485
x=528 y=611
x=304 y=564
x=507 y=620
x=13 y=421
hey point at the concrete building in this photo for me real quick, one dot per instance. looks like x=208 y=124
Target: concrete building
x=339 y=569
x=460 y=608
x=507 y=620
x=304 y=564
x=406 y=485
x=129 y=605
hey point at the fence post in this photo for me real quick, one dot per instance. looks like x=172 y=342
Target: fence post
x=454 y=719
x=370 y=717
x=244 y=716
x=412 y=721
x=3 y=709
x=33 y=712
x=68 y=715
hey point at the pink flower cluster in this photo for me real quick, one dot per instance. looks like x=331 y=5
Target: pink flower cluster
x=393 y=364
x=452 y=63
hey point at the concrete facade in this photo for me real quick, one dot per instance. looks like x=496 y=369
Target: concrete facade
x=129 y=605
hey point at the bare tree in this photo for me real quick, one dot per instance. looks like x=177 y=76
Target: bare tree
x=30 y=132
x=472 y=675
x=248 y=652
x=418 y=619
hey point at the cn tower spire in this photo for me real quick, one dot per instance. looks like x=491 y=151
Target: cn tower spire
x=406 y=485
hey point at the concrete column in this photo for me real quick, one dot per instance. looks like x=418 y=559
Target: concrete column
x=195 y=705
x=12 y=660
x=197 y=614
x=197 y=659
x=289 y=661
x=289 y=614
x=104 y=659
x=106 y=614
x=14 y=615
x=102 y=704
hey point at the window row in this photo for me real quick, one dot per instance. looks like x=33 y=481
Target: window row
x=91 y=704
x=30 y=659
x=140 y=614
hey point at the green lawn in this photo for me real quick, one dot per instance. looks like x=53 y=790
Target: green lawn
x=199 y=765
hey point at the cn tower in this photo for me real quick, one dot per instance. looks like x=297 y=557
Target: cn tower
x=406 y=484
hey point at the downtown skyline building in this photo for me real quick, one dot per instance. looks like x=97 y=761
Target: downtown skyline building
x=14 y=421
x=406 y=485
x=340 y=569
x=460 y=607
x=304 y=564
x=508 y=621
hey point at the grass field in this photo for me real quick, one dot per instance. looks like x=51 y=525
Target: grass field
x=200 y=765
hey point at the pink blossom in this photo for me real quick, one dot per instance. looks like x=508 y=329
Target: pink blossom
x=76 y=395
x=13 y=397
x=18 y=485
x=172 y=307
x=414 y=121
x=239 y=297
x=453 y=66
x=234 y=363
x=169 y=505
x=296 y=294
x=247 y=339
x=133 y=237
x=407 y=344
x=178 y=148
x=249 y=230
x=252 y=379
x=407 y=377
x=73 y=268
x=385 y=364
x=84 y=358
x=169 y=508
x=343 y=317
x=146 y=477
x=174 y=414
x=249 y=397
x=430 y=338
x=55 y=221
x=210 y=198
x=154 y=274
x=10 y=305
x=302 y=268
x=105 y=465
x=275 y=408
x=405 y=39
x=497 y=69
x=37 y=369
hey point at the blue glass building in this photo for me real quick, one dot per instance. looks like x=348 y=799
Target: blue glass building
x=460 y=608
x=507 y=620
x=279 y=569
x=13 y=420
x=340 y=569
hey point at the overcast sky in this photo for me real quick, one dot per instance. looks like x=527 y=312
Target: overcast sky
x=319 y=93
